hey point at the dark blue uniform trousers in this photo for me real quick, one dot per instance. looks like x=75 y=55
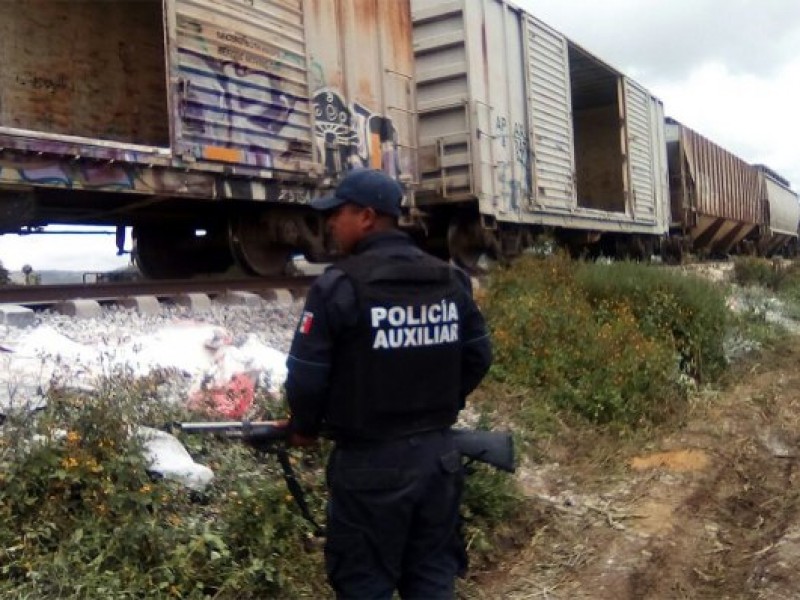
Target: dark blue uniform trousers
x=393 y=518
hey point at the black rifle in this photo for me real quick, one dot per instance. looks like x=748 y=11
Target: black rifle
x=495 y=448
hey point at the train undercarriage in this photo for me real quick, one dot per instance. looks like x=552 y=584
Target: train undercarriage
x=256 y=242
x=179 y=237
x=469 y=240
x=184 y=237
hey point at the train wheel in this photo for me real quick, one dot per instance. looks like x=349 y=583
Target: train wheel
x=465 y=243
x=179 y=251
x=468 y=242
x=253 y=251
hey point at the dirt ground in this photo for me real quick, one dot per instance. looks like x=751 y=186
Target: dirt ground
x=710 y=509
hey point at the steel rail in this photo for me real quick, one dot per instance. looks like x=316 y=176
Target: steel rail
x=41 y=295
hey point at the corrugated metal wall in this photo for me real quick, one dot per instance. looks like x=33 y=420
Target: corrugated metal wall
x=724 y=185
x=498 y=123
x=446 y=118
x=641 y=156
x=551 y=117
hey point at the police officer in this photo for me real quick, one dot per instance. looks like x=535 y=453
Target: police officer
x=389 y=345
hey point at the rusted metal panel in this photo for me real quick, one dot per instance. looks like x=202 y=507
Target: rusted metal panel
x=240 y=82
x=205 y=98
x=716 y=195
x=91 y=69
x=518 y=118
x=362 y=85
x=719 y=184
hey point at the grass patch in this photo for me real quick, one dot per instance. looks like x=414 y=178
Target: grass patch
x=752 y=270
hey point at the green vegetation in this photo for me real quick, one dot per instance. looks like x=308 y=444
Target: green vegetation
x=82 y=518
x=779 y=276
x=752 y=270
x=609 y=343
x=614 y=348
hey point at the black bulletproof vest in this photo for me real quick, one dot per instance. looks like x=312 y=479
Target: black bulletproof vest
x=398 y=371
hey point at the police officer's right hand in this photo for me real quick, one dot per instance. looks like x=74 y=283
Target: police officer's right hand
x=295 y=439
x=301 y=441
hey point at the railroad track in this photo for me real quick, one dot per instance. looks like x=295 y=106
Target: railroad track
x=44 y=295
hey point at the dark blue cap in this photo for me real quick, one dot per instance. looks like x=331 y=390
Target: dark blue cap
x=366 y=187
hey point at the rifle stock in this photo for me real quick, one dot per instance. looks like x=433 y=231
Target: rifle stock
x=495 y=448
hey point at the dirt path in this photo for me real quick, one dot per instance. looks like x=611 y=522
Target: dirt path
x=711 y=510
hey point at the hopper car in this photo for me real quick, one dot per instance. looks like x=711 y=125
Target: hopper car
x=783 y=214
x=209 y=125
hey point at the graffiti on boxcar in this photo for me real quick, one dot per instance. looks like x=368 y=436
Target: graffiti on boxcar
x=503 y=168
x=108 y=177
x=247 y=102
x=316 y=75
x=70 y=174
x=522 y=155
x=513 y=163
x=351 y=136
x=41 y=82
x=501 y=131
x=237 y=92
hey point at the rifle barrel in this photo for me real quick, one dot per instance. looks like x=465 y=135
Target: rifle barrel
x=199 y=426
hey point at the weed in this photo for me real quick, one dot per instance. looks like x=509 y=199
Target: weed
x=685 y=311
x=751 y=270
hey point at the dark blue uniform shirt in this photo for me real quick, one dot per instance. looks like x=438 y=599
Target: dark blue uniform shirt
x=331 y=309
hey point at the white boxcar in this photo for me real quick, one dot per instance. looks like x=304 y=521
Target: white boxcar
x=517 y=117
x=783 y=216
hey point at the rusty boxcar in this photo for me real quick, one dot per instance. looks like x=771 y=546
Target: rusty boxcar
x=206 y=124
x=521 y=129
x=715 y=196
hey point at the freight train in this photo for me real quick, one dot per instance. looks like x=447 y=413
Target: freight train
x=209 y=125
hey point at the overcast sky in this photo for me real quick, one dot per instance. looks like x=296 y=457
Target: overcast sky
x=729 y=69
x=85 y=253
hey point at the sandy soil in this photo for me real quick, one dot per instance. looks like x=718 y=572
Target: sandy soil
x=710 y=509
